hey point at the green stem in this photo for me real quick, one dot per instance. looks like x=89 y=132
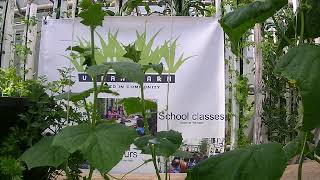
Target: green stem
x=146 y=127
x=87 y=109
x=94 y=79
x=136 y=168
x=105 y=176
x=282 y=34
x=67 y=171
x=302 y=22
x=102 y=82
x=90 y=173
x=154 y=160
x=302 y=156
x=95 y=98
x=166 y=168
x=92 y=44
x=145 y=121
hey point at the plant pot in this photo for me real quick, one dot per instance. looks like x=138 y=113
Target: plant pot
x=10 y=109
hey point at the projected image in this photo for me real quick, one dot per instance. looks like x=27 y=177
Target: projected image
x=112 y=109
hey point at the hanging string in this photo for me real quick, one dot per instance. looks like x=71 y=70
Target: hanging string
x=169 y=70
x=74 y=6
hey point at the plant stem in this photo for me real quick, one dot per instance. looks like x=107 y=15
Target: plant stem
x=302 y=22
x=145 y=121
x=87 y=109
x=102 y=81
x=282 y=34
x=90 y=173
x=66 y=170
x=94 y=79
x=95 y=98
x=302 y=156
x=166 y=168
x=105 y=176
x=146 y=127
x=92 y=45
x=136 y=168
x=154 y=160
x=26 y=46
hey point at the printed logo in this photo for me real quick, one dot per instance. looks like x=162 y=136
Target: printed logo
x=113 y=51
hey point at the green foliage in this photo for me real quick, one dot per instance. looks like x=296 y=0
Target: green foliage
x=10 y=169
x=166 y=143
x=256 y=162
x=132 y=53
x=183 y=7
x=183 y=154
x=102 y=153
x=92 y=14
x=12 y=84
x=76 y=97
x=242 y=94
x=44 y=154
x=300 y=65
x=133 y=105
x=129 y=70
x=317 y=150
x=280 y=124
x=237 y=22
x=306 y=75
x=294 y=147
x=156 y=67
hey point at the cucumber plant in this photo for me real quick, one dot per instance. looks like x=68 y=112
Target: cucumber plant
x=102 y=143
x=300 y=65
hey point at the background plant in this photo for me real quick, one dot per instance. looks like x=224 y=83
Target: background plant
x=299 y=66
x=102 y=144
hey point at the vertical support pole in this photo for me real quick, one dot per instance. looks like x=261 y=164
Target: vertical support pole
x=7 y=55
x=56 y=9
x=64 y=9
x=317 y=131
x=234 y=104
x=295 y=4
x=31 y=38
x=118 y=5
x=258 y=85
x=218 y=8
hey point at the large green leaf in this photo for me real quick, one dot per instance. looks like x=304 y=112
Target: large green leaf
x=156 y=67
x=256 y=162
x=103 y=145
x=130 y=70
x=75 y=97
x=92 y=14
x=96 y=70
x=166 y=143
x=133 y=105
x=302 y=65
x=293 y=148
x=183 y=154
x=45 y=154
x=236 y=23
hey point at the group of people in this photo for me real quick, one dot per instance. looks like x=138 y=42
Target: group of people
x=113 y=114
x=136 y=120
x=179 y=165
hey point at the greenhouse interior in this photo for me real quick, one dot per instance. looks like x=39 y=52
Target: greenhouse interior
x=160 y=89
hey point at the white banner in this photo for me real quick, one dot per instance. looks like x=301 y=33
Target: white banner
x=192 y=52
